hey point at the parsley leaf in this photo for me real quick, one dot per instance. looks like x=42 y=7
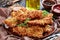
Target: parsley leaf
x=24 y=23
x=45 y=12
x=28 y=19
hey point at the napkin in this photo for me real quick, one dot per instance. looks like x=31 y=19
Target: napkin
x=3 y=14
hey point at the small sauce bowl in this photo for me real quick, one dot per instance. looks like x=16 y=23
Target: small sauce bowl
x=48 y=4
x=56 y=9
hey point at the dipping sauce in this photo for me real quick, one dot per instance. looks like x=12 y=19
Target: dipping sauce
x=56 y=9
x=49 y=3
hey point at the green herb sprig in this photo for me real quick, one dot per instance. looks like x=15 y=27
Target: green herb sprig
x=24 y=23
x=45 y=13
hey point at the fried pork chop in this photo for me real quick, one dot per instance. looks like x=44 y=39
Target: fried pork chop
x=44 y=21
x=23 y=14
x=11 y=22
x=34 y=31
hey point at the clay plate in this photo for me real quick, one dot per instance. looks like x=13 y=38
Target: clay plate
x=54 y=28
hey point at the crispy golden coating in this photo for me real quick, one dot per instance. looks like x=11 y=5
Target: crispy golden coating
x=31 y=14
x=49 y=16
x=16 y=13
x=21 y=17
x=35 y=14
x=44 y=21
x=22 y=14
x=18 y=10
x=34 y=20
x=35 y=31
x=47 y=28
x=40 y=22
x=11 y=22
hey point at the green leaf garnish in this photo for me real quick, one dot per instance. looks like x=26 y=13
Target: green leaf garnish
x=24 y=23
x=45 y=12
x=28 y=19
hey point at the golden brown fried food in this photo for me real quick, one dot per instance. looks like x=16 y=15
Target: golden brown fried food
x=18 y=10
x=30 y=31
x=49 y=16
x=35 y=14
x=22 y=13
x=40 y=22
x=16 y=13
x=20 y=31
x=35 y=31
x=11 y=21
x=46 y=20
x=29 y=23
x=31 y=14
x=21 y=17
x=47 y=28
